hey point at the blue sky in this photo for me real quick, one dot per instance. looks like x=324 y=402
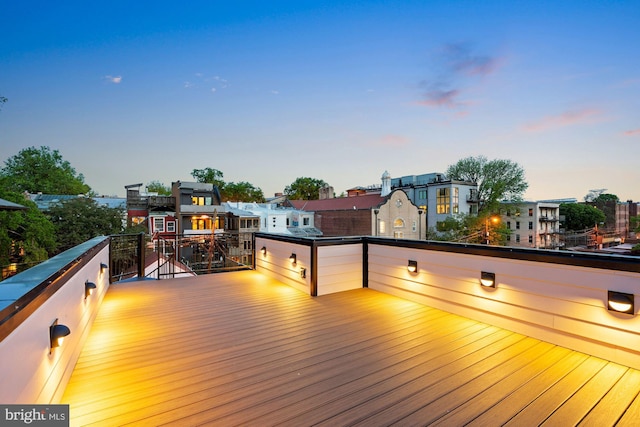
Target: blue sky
x=266 y=92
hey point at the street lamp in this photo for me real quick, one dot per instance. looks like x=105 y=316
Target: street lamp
x=494 y=219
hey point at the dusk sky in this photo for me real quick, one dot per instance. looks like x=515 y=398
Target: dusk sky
x=269 y=91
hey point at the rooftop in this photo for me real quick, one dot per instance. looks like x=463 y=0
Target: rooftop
x=242 y=348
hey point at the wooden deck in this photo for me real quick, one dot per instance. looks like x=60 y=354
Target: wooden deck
x=242 y=349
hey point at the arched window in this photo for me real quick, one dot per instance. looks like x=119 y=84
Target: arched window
x=398 y=223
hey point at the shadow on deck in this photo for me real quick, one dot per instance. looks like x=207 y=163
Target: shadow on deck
x=243 y=349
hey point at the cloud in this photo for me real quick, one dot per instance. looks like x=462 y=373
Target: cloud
x=460 y=59
x=459 y=69
x=113 y=79
x=201 y=81
x=568 y=118
x=632 y=132
x=438 y=96
x=275 y=92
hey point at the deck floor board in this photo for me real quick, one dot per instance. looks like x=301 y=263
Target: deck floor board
x=243 y=349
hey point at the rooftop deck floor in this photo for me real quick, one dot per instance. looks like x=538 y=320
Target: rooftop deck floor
x=243 y=349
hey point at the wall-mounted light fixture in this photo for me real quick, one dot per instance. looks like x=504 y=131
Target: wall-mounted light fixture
x=620 y=302
x=103 y=267
x=264 y=250
x=293 y=258
x=487 y=279
x=88 y=288
x=57 y=333
x=412 y=266
x=303 y=273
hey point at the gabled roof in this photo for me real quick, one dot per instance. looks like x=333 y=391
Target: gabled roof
x=365 y=202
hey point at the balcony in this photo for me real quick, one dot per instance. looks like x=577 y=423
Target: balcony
x=548 y=218
x=344 y=334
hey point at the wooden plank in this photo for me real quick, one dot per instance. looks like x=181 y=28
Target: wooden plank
x=244 y=349
x=540 y=409
x=616 y=402
x=492 y=395
x=582 y=401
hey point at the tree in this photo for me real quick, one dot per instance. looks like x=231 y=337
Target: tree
x=304 y=189
x=158 y=187
x=80 y=219
x=242 y=192
x=579 y=216
x=41 y=170
x=26 y=237
x=496 y=179
x=210 y=176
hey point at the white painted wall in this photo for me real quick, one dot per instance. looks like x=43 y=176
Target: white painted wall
x=29 y=373
x=561 y=304
x=275 y=263
x=339 y=268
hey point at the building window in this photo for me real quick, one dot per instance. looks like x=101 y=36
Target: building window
x=517 y=238
x=509 y=225
x=158 y=225
x=530 y=239
x=530 y=225
x=443 y=200
x=508 y=237
x=414 y=226
x=398 y=223
x=398 y=234
x=382 y=227
x=171 y=226
x=517 y=225
x=305 y=221
x=530 y=211
x=287 y=222
x=455 y=201
x=422 y=194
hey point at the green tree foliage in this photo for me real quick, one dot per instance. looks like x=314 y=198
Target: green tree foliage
x=579 y=216
x=41 y=170
x=80 y=219
x=606 y=203
x=229 y=191
x=497 y=180
x=242 y=192
x=210 y=176
x=470 y=229
x=304 y=189
x=158 y=187
x=26 y=237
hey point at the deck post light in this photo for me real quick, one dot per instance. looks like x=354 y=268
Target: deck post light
x=103 y=267
x=412 y=266
x=487 y=279
x=88 y=288
x=57 y=333
x=293 y=258
x=620 y=302
x=264 y=250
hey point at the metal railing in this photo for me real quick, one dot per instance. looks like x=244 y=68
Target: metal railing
x=162 y=257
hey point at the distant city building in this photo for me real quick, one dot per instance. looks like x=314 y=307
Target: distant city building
x=362 y=214
x=280 y=220
x=438 y=197
x=532 y=224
